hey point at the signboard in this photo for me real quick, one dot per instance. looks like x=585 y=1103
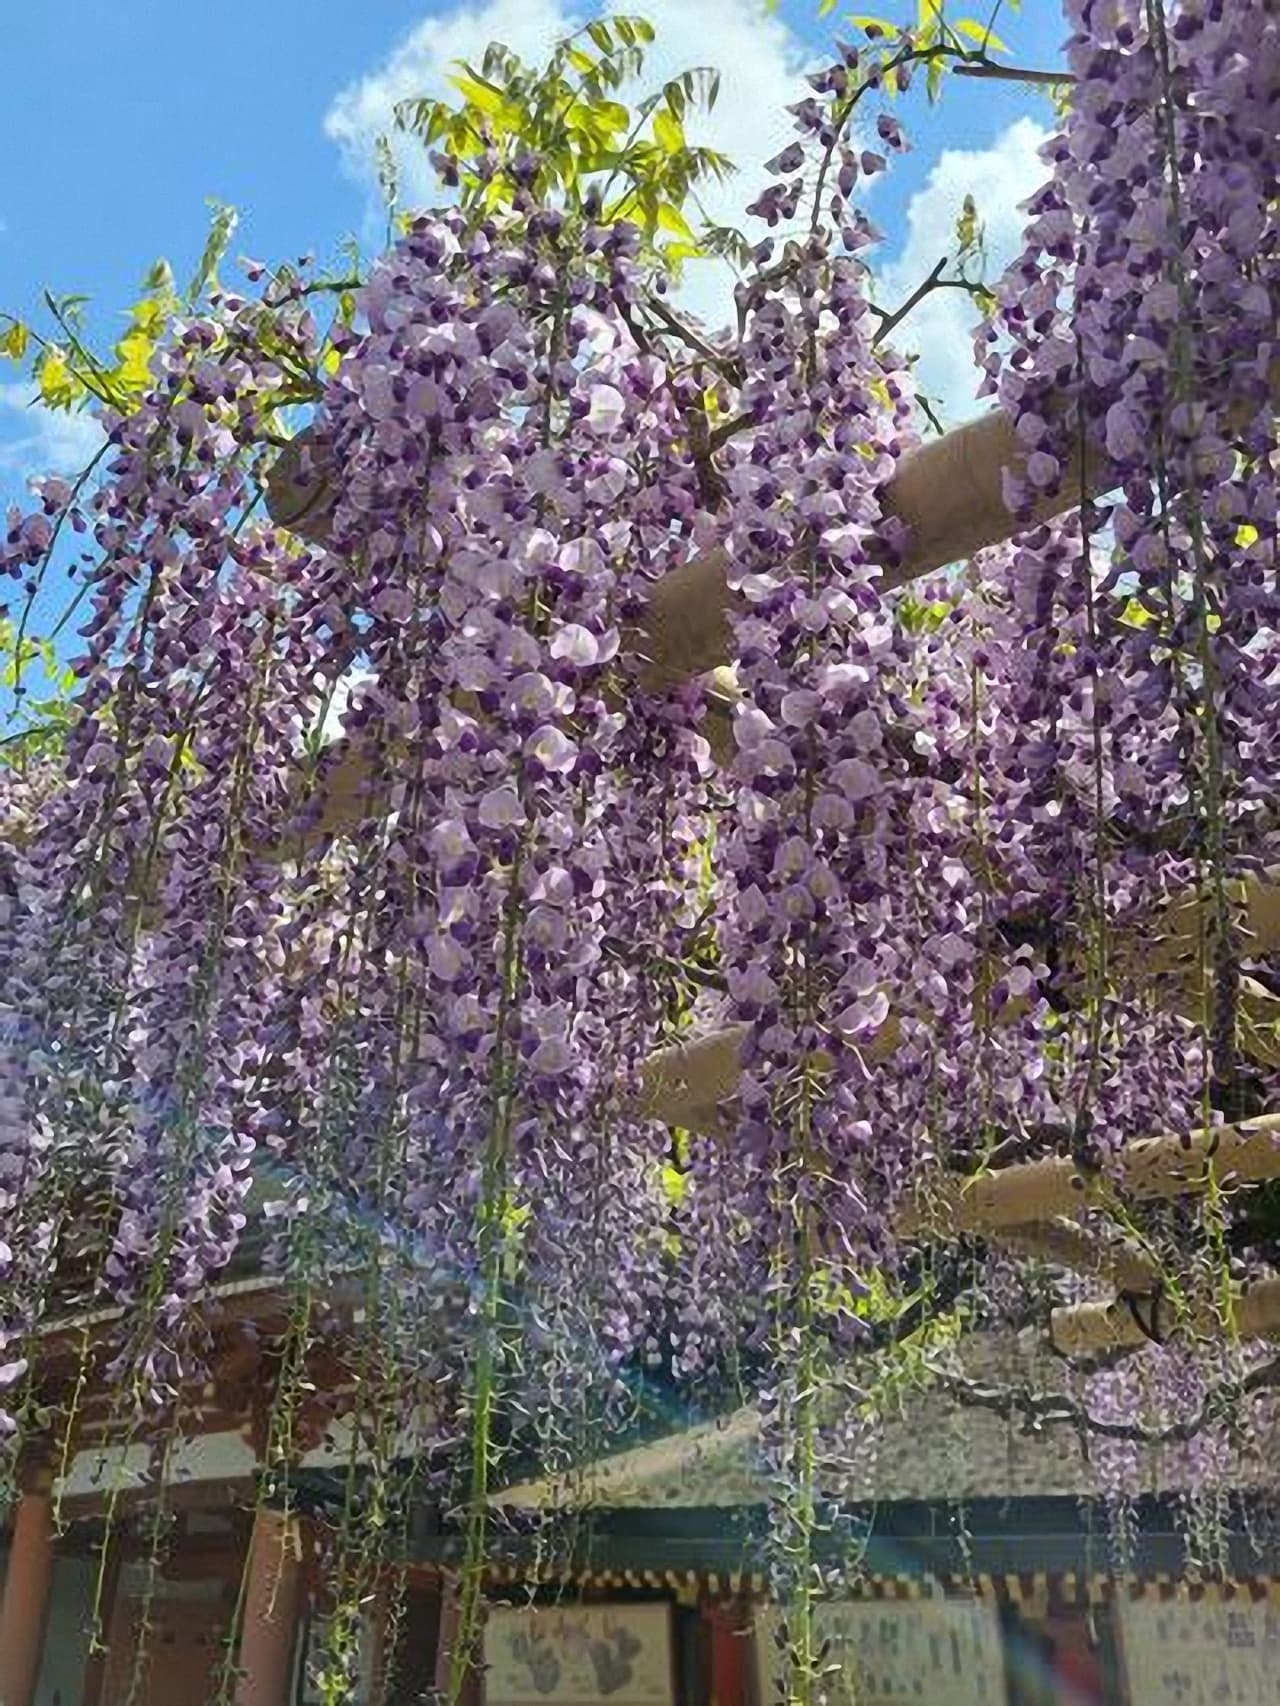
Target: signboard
x=570 y=1655
x=899 y=1652
x=1202 y=1653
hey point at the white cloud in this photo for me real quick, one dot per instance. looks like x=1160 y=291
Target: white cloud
x=941 y=328
x=37 y=440
x=759 y=58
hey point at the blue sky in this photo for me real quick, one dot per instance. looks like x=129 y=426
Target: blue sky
x=128 y=115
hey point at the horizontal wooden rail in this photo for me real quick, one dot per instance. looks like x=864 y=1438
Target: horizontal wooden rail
x=948 y=493
x=1154 y=1167
x=1128 y=1323
x=690 y=1084
x=1068 y=1245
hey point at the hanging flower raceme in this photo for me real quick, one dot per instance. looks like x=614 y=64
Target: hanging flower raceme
x=1142 y=320
x=401 y=985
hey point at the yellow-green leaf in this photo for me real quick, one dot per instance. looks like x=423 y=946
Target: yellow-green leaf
x=486 y=99
x=611 y=115
x=675 y=1184
x=14 y=342
x=967 y=224
x=980 y=34
x=671 y=219
x=668 y=131
x=134 y=354
x=59 y=386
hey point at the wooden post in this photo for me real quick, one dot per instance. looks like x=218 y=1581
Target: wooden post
x=25 y=1602
x=448 y=1626
x=273 y=1597
x=728 y=1654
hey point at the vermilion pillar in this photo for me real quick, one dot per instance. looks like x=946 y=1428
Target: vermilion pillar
x=25 y=1602
x=273 y=1599
x=728 y=1655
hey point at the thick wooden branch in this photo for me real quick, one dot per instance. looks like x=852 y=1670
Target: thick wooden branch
x=1129 y=1322
x=1069 y=1245
x=690 y=1084
x=1155 y=1167
x=1058 y=1409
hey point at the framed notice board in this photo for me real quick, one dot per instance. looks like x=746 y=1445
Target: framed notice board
x=1200 y=1653
x=573 y=1655
x=900 y=1652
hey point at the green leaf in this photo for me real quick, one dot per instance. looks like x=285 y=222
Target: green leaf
x=670 y=218
x=221 y=230
x=668 y=131
x=980 y=34
x=60 y=388
x=14 y=342
x=599 y=33
x=388 y=174
x=486 y=99
x=159 y=279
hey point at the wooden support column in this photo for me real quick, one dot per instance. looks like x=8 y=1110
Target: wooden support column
x=273 y=1599
x=24 y=1605
x=728 y=1653
x=448 y=1627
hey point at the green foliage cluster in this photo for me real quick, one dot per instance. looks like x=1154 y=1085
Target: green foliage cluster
x=45 y=715
x=69 y=375
x=561 y=135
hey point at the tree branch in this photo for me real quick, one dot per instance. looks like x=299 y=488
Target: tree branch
x=721 y=360
x=1056 y=1409
x=1012 y=73
x=935 y=281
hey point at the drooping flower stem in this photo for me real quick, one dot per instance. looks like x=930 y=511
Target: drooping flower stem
x=492 y=1235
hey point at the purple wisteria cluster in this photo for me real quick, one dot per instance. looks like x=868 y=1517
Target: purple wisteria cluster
x=943 y=813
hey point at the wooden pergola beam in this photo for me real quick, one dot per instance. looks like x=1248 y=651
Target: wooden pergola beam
x=1069 y=1245
x=948 y=494
x=1128 y=1323
x=690 y=1084
x=1153 y=1168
